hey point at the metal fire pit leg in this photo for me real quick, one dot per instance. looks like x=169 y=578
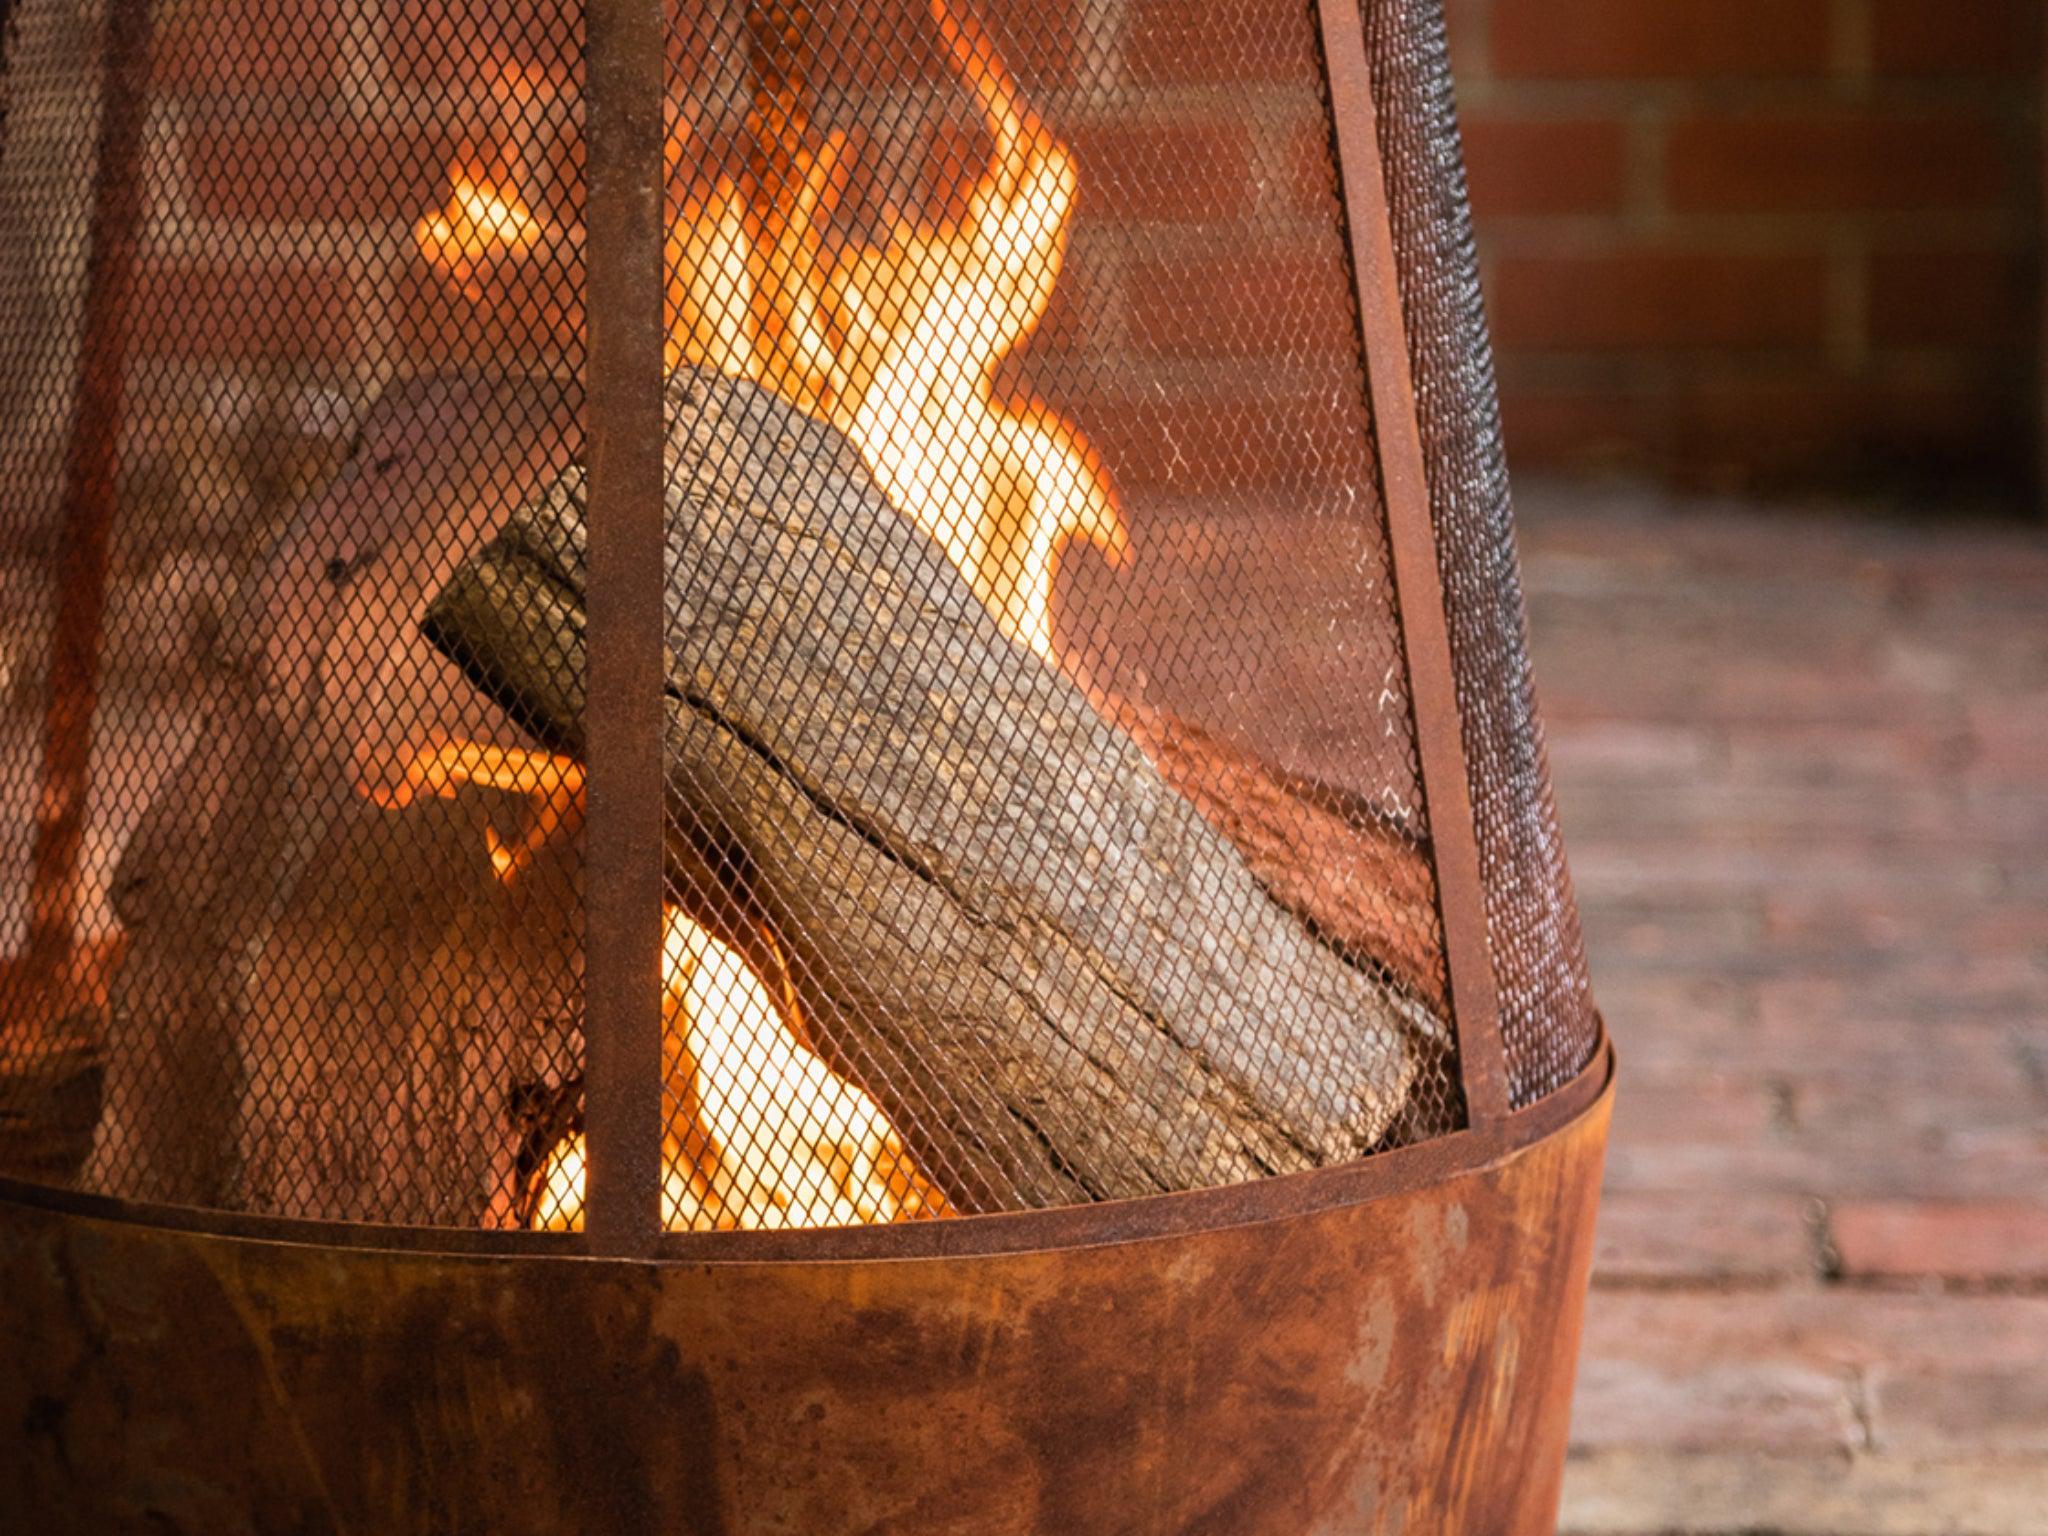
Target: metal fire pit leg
x=622 y=920
x=92 y=466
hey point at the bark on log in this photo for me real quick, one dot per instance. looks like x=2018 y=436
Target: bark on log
x=1058 y=978
x=1363 y=884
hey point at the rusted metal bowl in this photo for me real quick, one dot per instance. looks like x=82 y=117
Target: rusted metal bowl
x=1384 y=1347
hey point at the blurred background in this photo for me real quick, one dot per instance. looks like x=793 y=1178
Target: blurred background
x=1765 y=281
x=1764 y=245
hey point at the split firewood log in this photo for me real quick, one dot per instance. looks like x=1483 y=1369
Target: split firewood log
x=52 y=1066
x=325 y=1007
x=1059 y=979
x=1363 y=882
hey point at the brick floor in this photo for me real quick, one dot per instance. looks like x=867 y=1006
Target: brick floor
x=1803 y=769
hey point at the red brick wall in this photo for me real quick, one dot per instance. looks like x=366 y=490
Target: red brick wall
x=1755 y=242
x=1732 y=241
x=1200 y=330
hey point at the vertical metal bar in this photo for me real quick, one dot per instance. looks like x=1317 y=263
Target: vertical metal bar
x=625 y=63
x=91 y=482
x=2040 y=285
x=1425 y=632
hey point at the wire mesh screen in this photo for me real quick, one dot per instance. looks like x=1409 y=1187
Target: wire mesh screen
x=1548 y=1027
x=248 y=365
x=1004 y=322
x=1043 y=814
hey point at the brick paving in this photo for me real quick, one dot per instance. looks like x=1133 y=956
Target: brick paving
x=1803 y=768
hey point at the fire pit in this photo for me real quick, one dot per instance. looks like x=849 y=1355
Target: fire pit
x=770 y=768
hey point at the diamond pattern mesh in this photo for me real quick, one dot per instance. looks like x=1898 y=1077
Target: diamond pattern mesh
x=312 y=995
x=1044 y=819
x=1548 y=1028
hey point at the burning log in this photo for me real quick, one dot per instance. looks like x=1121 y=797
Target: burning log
x=1054 y=973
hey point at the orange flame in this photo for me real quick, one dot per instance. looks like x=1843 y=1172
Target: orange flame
x=485 y=220
x=553 y=784
x=896 y=342
x=481 y=220
x=772 y=1137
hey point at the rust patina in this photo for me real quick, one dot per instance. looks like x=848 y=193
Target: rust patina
x=1382 y=1348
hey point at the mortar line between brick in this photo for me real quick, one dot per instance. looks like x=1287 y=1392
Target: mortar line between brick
x=1862 y=1409
x=1848 y=299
